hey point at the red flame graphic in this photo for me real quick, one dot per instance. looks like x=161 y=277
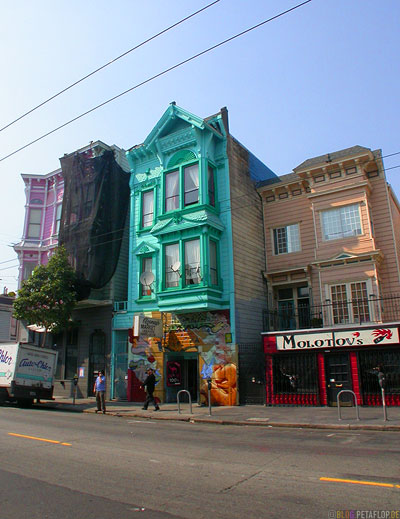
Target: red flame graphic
x=382 y=333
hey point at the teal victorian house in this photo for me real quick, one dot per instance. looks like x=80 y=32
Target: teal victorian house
x=195 y=287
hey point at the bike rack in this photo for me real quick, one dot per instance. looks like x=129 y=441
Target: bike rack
x=179 y=404
x=355 y=401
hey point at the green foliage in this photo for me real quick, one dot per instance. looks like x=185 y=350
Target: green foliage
x=48 y=297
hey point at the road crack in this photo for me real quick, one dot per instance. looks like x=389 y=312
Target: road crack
x=240 y=482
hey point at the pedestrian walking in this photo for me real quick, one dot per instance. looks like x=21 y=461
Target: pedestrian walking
x=149 y=385
x=100 y=391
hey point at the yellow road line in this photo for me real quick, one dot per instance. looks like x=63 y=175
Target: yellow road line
x=38 y=439
x=355 y=482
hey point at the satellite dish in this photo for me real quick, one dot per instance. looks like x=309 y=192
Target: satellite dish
x=176 y=266
x=146 y=278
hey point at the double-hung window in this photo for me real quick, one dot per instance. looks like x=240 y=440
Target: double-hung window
x=35 y=218
x=341 y=222
x=211 y=186
x=172 y=191
x=172 y=265
x=147 y=216
x=192 y=262
x=213 y=263
x=286 y=239
x=146 y=268
x=191 y=185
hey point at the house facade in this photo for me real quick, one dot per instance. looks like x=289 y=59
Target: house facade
x=55 y=205
x=332 y=268
x=196 y=255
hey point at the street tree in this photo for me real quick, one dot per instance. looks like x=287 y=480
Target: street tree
x=48 y=296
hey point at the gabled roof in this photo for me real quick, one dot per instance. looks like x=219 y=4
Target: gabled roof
x=332 y=157
x=171 y=113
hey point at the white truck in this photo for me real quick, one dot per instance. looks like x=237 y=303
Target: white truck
x=26 y=373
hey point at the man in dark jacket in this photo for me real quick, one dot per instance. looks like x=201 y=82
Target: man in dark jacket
x=149 y=385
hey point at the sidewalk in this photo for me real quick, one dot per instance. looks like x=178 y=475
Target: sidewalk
x=371 y=418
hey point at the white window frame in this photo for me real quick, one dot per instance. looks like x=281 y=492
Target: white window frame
x=33 y=224
x=342 y=218
x=349 y=306
x=292 y=238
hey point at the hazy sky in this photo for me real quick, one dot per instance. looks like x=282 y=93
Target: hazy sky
x=321 y=78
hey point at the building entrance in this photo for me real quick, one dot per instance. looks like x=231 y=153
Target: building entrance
x=338 y=377
x=181 y=373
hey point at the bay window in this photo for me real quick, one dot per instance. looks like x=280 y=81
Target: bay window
x=211 y=186
x=191 y=185
x=213 y=263
x=146 y=266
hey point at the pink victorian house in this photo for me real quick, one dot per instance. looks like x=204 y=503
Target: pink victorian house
x=44 y=194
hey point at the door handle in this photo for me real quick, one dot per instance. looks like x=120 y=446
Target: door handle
x=339 y=385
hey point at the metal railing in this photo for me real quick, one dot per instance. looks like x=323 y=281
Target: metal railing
x=371 y=309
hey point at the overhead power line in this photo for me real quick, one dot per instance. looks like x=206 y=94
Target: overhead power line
x=165 y=71
x=109 y=63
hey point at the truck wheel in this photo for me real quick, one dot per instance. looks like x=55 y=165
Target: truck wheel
x=25 y=402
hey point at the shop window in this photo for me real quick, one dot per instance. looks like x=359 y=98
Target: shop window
x=295 y=373
x=35 y=218
x=147 y=216
x=388 y=361
x=350 y=303
x=286 y=239
x=341 y=222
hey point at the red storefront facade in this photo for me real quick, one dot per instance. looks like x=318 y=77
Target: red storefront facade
x=310 y=367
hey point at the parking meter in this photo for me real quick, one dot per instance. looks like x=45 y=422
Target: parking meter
x=209 y=384
x=75 y=380
x=382 y=380
x=209 y=395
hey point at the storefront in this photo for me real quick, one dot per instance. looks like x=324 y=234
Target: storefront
x=311 y=368
x=191 y=348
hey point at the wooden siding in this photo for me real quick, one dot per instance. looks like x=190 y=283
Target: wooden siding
x=248 y=246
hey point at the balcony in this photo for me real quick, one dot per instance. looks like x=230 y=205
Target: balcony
x=372 y=310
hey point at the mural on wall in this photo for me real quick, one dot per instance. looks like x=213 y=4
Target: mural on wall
x=141 y=357
x=210 y=334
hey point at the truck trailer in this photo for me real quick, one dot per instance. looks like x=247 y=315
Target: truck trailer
x=26 y=373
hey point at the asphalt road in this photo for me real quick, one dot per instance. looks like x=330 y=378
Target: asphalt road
x=80 y=466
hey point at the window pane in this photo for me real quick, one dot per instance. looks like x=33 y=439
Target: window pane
x=71 y=357
x=213 y=263
x=58 y=218
x=147 y=266
x=211 y=187
x=192 y=262
x=172 y=191
x=339 y=304
x=287 y=239
x=359 y=302
x=35 y=216
x=341 y=222
x=147 y=208
x=191 y=181
x=171 y=258
x=28 y=269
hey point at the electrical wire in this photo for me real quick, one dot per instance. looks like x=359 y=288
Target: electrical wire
x=109 y=63
x=165 y=71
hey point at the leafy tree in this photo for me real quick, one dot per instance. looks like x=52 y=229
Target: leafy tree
x=48 y=296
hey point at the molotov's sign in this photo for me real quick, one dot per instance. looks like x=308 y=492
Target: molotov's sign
x=145 y=327
x=338 y=339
